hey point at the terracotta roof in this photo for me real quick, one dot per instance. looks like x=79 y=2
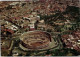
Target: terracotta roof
x=73 y=40
x=9 y=30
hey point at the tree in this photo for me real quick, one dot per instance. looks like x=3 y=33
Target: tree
x=20 y=55
x=64 y=52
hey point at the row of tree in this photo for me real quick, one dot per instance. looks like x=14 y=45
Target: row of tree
x=63 y=52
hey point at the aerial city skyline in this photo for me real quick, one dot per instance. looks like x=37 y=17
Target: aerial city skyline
x=40 y=28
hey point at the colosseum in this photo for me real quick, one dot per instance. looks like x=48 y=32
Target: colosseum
x=35 y=40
